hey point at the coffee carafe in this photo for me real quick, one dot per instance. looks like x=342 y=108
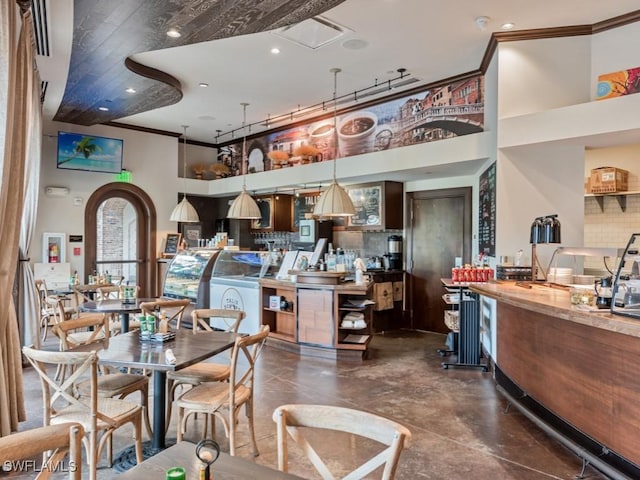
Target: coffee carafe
x=604 y=292
x=394 y=248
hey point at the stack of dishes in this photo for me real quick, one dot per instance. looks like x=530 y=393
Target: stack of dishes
x=563 y=276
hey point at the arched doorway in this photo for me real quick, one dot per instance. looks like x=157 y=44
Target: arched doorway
x=137 y=226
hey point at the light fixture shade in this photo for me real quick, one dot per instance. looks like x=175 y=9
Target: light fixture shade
x=184 y=212
x=334 y=202
x=244 y=207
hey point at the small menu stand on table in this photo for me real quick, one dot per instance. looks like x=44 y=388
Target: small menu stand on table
x=469 y=349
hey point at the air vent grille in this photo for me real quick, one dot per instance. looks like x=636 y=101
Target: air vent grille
x=41 y=27
x=313 y=33
x=43 y=90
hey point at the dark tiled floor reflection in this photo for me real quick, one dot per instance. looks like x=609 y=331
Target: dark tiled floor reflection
x=458 y=420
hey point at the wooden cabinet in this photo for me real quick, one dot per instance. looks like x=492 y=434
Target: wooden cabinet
x=282 y=323
x=378 y=206
x=276 y=213
x=330 y=321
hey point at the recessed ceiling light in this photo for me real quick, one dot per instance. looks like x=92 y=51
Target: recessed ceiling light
x=203 y=84
x=508 y=26
x=355 y=44
x=130 y=90
x=275 y=50
x=174 y=33
x=103 y=109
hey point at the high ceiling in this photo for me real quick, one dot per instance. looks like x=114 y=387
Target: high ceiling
x=432 y=39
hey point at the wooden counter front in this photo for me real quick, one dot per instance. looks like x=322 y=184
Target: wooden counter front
x=581 y=366
x=314 y=325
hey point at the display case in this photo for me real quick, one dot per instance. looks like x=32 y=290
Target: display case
x=235 y=285
x=626 y=286
x=189 y=274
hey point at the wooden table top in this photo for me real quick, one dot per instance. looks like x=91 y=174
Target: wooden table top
x=183 y=455
x=127 y=350
x=114 y=306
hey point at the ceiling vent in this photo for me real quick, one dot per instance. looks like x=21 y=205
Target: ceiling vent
x=41 y=27
x=313 y=33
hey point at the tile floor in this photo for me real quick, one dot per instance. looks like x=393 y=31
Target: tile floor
x=457 y=419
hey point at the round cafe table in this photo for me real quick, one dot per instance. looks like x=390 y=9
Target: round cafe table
x=124 y=309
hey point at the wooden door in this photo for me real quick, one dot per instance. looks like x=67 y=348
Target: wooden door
x=440 y=230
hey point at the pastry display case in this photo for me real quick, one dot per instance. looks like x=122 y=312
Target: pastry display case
x=189 y=274
x=626 y=286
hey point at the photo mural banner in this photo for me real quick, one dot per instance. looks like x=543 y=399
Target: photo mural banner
x=433 y=114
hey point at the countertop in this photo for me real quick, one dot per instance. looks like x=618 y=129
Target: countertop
x=555 y=303
x=347 y=287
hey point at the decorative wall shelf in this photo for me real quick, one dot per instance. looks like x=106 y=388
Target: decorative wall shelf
x=620 y=196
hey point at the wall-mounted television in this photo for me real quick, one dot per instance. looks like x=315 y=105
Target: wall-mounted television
x=89 y=152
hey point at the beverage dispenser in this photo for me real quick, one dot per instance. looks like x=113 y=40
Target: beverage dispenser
x=394 y=249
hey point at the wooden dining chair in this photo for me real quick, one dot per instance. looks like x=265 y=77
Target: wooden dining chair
x=54 y=442
x=206 y=371
x=46 y=313
x=81 y=330
x=99 y=416
x=114 y=292
x=296 y=420
x=172 y=309
x=224 y=400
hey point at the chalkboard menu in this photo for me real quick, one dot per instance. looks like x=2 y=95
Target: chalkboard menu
x=368 y=204
x=302 y=205
x=487 y=220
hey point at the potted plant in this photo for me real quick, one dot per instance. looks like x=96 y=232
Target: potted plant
x=220 y=170
x=278 y=158
x=198 y=170
x=307 y=153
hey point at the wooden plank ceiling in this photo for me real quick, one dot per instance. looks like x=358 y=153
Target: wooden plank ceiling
x=106 y=34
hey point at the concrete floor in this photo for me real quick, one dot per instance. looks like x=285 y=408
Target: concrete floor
x=457 y=419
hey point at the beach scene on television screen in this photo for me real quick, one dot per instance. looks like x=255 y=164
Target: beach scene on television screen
x=89 y=152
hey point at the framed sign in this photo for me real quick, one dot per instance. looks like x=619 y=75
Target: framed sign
x=191 y=232
x=265 y=204
x=487 y=212
x=367 y=201
x=171 y=244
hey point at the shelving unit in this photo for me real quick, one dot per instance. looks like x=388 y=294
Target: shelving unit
x=282 y=323
x=353 y=337
x=469 y=351
x=620 y=196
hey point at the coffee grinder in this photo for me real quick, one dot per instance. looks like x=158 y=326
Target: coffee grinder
x=394 y=248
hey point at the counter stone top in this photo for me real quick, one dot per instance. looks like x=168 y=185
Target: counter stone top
x=346 y=287
x=555 y=302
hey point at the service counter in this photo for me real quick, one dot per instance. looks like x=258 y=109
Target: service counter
x=575 y=371
x=330 y=321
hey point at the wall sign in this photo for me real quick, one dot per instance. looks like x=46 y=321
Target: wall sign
x=487 y=220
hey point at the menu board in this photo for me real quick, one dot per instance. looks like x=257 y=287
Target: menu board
x=487 y=220
x=368 y=204
x=302 y=205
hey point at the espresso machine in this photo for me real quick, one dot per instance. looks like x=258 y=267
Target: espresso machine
x=394 y=252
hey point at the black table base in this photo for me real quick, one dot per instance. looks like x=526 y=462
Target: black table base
x=126 y=459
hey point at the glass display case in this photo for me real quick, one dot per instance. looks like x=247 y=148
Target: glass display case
x=626 y=286
x=189 y=274
x=240 y=263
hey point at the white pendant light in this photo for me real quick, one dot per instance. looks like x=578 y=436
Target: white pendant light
x=184 y=211
x=334 y=201
x=244 y=207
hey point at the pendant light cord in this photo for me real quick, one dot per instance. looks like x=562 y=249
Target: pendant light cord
x=244 y=145
x=184 y=163
x=335 y=72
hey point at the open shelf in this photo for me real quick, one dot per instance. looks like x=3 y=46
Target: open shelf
x=620 y=196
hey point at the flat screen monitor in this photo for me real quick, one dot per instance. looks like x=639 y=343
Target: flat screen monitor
x=91 y=153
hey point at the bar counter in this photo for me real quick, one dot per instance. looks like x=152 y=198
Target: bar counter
x=575 y=371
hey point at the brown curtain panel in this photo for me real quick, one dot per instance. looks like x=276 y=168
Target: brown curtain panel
x=17 y=84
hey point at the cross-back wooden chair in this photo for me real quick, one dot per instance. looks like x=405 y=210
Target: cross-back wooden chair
x=114 y=292
x=85 y=328
x=206 y=371
x=99 y=416
x=55 y=442
x=224 y=400
x=296 y=420
x=44 y=308
x=174 y=310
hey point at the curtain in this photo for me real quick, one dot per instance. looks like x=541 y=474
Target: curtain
x=29 y=316
x=17 y=76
